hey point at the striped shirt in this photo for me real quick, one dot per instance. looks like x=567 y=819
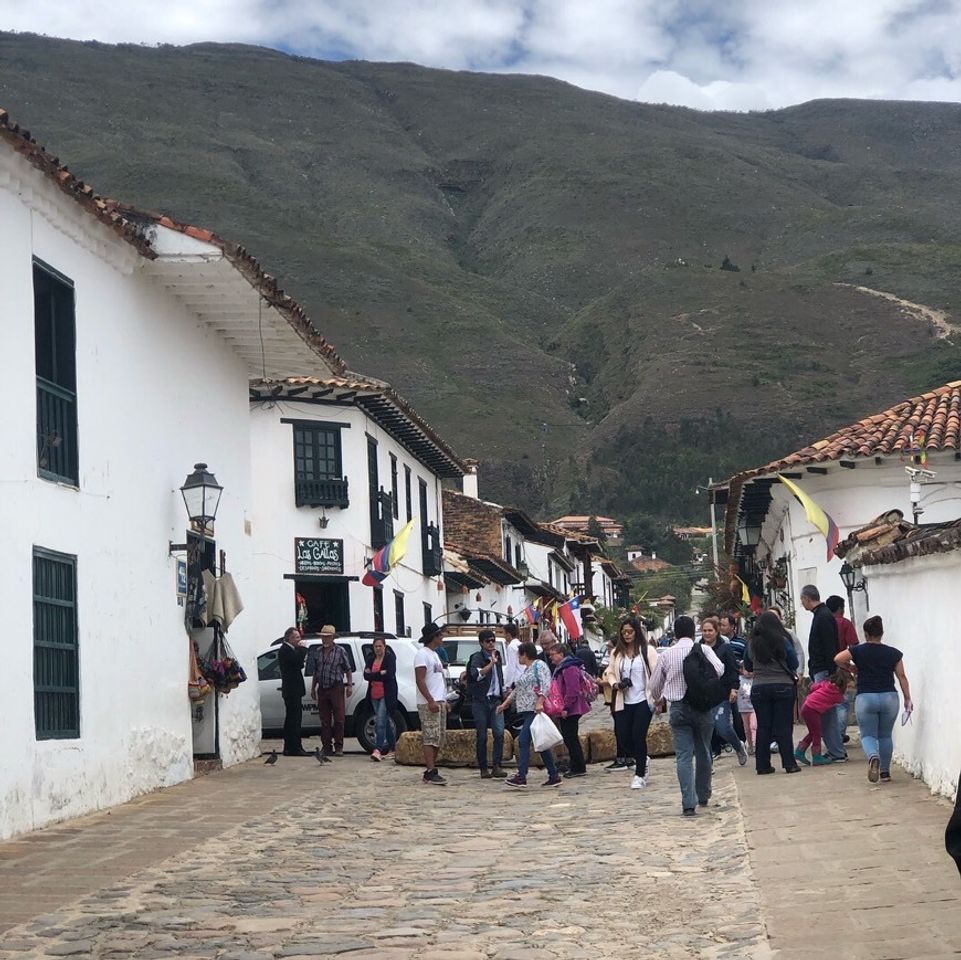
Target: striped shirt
x=667 y=678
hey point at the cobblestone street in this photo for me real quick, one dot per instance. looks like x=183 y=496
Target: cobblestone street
x=360 y=860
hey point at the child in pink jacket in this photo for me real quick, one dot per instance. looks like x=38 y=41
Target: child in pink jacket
x=823 y=697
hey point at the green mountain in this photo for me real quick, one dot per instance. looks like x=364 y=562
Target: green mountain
x=537 y=267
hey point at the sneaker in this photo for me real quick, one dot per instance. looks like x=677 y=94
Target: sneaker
x=801 y=757
x=727 y=748
x=638 y=783
x=498 y=774
x=821 y=760
x=339 y=752
x=571 y=774
x=762 y=773
x=874 y=769
x=843 y=759
x=845 y=739
x=485 y=774
x=376 y=755
x=553 y=782
x=750 y=750
x=690 y=812
x=433 y=777
x=388 y=756
x=742 y=755
x=703 y=803
x=516 y=781
x=885 y=776
x=618 y=764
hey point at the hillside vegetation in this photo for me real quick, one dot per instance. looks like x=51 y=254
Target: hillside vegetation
x=539 y=267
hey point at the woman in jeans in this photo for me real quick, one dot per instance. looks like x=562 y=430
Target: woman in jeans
x=876 y=665
x=567 y=675
x=380 y=673
x=771 y=663
x=530 y=688
x=628 y=674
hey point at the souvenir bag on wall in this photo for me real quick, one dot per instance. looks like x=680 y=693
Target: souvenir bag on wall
x=219 y=665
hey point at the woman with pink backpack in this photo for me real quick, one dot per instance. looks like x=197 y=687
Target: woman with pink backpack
x=568 y=702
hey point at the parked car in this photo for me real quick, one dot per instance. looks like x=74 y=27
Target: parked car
x=359 y=721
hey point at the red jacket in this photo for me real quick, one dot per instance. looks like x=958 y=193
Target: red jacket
x=847 y=635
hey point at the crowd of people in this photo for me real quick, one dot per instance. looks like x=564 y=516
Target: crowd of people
x=719 y=690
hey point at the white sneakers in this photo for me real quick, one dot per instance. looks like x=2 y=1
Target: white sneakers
x=638 y=783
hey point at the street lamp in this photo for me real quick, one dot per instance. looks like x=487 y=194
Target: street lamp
x=849 y=578
x=749 y=532
x=201 y=494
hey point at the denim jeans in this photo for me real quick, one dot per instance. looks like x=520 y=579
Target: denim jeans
x=692 y=731
x=524 y=749
x=486 y=717
x=384 y=732
x=830 y=725
x=774 y=708
x=876 y=715
x=724 y=726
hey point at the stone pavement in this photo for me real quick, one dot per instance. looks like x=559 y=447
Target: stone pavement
x=846 y=868
x=358 y=860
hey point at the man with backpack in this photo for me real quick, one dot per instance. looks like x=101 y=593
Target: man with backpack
x=689 y=675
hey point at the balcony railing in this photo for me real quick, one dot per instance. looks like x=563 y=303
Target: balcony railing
x=321 y=493
x=433 y=553
x=56 y=432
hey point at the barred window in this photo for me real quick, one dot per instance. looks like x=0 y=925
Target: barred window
x=56 y=668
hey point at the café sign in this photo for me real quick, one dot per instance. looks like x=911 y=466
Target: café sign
x=314 y=555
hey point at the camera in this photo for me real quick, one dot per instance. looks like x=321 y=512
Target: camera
x=625 y=683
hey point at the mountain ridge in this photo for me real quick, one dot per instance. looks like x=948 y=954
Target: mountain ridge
x=537 y=267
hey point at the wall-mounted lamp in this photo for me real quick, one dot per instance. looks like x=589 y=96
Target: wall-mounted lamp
x=323 y=519
x=201 y=494
x=849 y=578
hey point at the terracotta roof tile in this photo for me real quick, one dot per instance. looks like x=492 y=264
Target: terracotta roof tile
x=934 y=417
x=132 y=225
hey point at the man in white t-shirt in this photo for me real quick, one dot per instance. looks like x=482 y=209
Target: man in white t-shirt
x=432 y=703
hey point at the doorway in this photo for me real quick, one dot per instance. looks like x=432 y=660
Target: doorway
x=327 y=602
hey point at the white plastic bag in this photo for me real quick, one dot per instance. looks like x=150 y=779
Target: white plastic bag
x=544 y=734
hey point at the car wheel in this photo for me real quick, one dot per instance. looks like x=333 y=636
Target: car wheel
x=365 y=727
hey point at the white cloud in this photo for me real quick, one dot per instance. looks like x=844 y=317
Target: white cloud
x=751 y=55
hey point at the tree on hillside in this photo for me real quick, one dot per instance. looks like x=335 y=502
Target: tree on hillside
x=727 y=264
x=594 y=529
x=655 y=535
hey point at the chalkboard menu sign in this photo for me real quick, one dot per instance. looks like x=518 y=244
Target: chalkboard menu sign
x=319 y=556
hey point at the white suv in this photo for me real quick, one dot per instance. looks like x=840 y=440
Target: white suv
x=359 y=717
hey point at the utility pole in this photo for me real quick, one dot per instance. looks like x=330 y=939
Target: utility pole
x=710 y=500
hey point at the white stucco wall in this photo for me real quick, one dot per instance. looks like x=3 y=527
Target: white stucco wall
x=156 y=393
x=852 y=498
x=277 y=521
x=917 y=599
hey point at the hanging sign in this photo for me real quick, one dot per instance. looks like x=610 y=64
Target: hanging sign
x=314 y=555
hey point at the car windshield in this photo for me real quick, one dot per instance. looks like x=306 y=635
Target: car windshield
x=459 y=650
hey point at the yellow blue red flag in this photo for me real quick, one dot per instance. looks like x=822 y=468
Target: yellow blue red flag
x=816 y=516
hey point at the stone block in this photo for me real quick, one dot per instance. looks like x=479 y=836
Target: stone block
x=603 y=746
x=458 y=750
x=660 y=740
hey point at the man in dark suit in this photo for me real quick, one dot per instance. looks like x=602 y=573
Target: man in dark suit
x=291 y=656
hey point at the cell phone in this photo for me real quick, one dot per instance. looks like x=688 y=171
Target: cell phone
x=906 y=715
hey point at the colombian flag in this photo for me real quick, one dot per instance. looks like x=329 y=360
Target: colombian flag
x=823 y=521
x=387 y=557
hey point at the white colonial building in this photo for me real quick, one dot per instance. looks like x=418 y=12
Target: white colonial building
x=341 y=465
x=904 y=572
x=129 y=341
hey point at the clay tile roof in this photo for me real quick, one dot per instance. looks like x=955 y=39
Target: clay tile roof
x=132 y=225
x=934 y=417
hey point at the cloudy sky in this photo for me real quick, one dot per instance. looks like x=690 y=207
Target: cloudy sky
x=746 y=54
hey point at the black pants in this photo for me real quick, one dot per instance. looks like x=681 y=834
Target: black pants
x=738 y=723
x=774 y=709
x=630 y=729
x=293 y=715
x=952 y=835
x=572 y=741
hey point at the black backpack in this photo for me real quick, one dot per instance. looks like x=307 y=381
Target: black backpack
x=705 y=689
